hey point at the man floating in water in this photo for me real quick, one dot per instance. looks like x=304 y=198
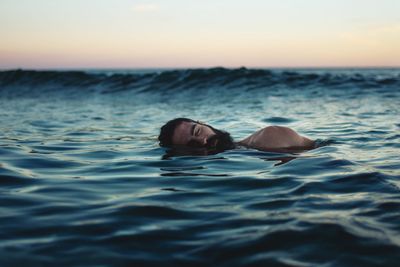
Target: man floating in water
x=184 y=132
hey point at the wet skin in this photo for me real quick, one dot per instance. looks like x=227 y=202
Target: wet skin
x=277 y=138
x=271 y=138
x=192 y=134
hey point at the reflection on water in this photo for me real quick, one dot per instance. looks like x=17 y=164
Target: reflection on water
x=85 y=183
x=281 y=160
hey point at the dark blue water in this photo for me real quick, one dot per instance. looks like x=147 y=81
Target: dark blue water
x=84 y=183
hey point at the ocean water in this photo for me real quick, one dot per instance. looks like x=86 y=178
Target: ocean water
x=84 y=182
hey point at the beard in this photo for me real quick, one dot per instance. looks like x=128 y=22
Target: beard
x=220 y=141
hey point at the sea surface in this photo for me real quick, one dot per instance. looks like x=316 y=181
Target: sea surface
x=84 y=182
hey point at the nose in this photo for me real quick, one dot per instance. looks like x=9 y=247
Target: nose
x=202 y=141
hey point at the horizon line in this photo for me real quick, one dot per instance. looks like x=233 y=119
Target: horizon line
x=196 y=67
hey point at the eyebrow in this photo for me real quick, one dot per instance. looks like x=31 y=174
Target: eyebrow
x=192 y=130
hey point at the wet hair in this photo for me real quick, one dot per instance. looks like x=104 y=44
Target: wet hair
x=225 y=140
x=167 y=131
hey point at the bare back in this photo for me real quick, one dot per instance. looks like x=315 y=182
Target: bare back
x=277 y=138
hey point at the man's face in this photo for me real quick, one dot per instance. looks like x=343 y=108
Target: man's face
x=194 y=134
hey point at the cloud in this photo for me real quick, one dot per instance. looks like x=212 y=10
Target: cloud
x=145 y=7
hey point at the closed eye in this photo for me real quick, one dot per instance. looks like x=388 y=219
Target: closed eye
x=196 y=130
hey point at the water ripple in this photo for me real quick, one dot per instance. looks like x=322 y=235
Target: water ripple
x=84 y=182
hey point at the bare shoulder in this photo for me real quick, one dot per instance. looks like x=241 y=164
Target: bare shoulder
x=276 y=137
x=277 y=129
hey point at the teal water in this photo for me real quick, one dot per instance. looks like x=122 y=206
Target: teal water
x=84 y=182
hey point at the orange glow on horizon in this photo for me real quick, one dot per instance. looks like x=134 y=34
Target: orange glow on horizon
x=154 y=35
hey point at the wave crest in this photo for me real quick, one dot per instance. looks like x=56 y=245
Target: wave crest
x=197 y=78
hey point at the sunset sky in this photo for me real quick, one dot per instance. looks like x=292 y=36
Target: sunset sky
x=199 y=33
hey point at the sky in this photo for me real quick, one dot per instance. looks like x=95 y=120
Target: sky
x=46 y=34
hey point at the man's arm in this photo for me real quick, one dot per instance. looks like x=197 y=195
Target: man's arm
x=277 y=138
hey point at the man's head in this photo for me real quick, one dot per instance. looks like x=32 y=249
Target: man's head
x=187 y=132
